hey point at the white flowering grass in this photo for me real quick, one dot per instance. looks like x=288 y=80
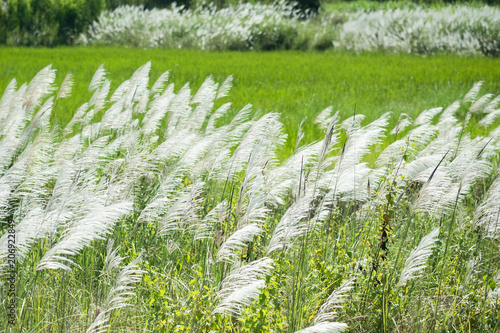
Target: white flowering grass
x=145 y=206
x=454 y=29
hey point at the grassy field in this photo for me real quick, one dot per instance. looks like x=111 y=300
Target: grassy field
x=295 y=84
x=135 y=219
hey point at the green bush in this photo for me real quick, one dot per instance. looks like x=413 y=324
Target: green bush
x=46 y=22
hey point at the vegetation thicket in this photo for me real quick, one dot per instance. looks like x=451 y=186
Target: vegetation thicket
x=398 y=26
x=152 y=211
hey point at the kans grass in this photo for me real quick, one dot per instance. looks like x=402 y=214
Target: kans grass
x=164 y=209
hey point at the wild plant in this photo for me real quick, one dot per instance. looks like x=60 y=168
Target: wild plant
x=456 y=29
x=161 y=210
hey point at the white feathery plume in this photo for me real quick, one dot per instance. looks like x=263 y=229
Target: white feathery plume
x=451 y=182
x=487 y=213
x=120 y=91
x=252 y=184
x=242 y=287
x=219 y=113
x=323 y=119
x=240 y=276
x=8 y=182
x=266 y=135
x=181 y=210
x=469 y=164
x=242 y=116
x=205 y=229
x=98 y=78
x=100 y=96
x=135 y=165
x=351 y=183
x=31 y=227
x=159 y=85
x=42 y=117
x=236 y=242
x=205 y=98
x=330 y=139
x=63 y=205
x=325 y=327
x=88 y=117
x=214 y=157
x=115 y=117
x=447 y=117
x=5 y=102
x=77 y=118
x=403 y=122
x=417 y=166
x=175 y=145
x=285 y=178
x=142 y=105
x=472 y=94
x=39 y=87
x=359 y=139
x=155 y=209
x=326 y=312
x=323 y=321
x=157 y=110
x=255 y=210
x=492 y=105
x=225 y=87
x=8 y=148
x=490 y=118
x=39 y=169
x=113 y=259
x=138 y=85
x=117 y=298
x=16 y=114
x=446 y=140
x=293 y=224
x=353 y=121
x=218 y=160
x=425 y=117
x=480 y=104
x=95 y=225
x=92 y=155
x=417 y=258
x=199 y=149
x=300 y=133
x=66 y=87
x=415 y=140
x=437 y=182
x=13 y=137
x=232 y=137
x=347 y=173
x=179 y=109
x=68 y=147
x=91 y=132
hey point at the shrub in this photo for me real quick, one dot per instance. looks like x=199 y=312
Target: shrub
x=46 y=22
x=454 y=29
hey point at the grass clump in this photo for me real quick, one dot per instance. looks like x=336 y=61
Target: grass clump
x=456 y=29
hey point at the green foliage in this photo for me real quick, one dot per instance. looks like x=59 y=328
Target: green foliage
x=46 y=22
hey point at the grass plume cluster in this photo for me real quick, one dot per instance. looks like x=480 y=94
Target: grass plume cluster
x=150 y=212
x=456 y=29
